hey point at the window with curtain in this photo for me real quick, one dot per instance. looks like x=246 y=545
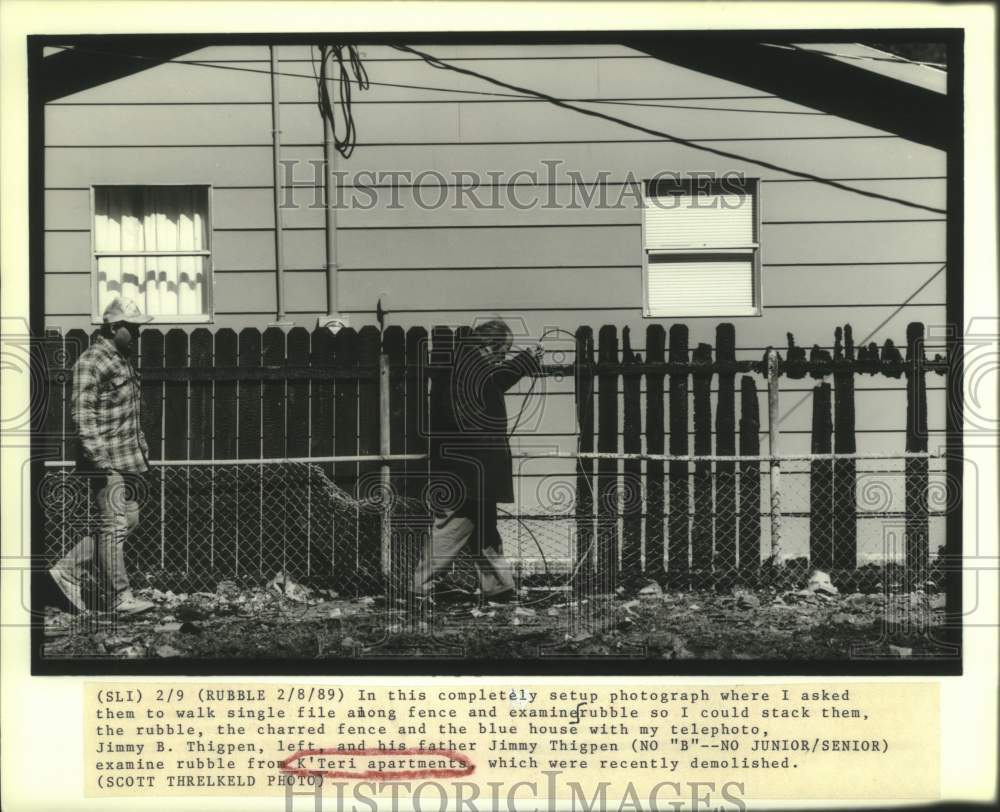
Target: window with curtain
x=151 y=244
x=701 y=252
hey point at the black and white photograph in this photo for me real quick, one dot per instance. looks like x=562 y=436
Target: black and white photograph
x=610 y=352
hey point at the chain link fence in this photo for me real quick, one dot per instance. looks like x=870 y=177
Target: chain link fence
x=719 y=523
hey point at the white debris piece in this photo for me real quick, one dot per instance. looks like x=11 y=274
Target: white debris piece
x=168 y=627
x=819 y=581
x=284 y=585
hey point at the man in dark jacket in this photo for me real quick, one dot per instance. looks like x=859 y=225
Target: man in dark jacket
x=470 y=458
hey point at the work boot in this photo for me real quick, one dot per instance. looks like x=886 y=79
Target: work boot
x=451 y=596
x=129 y=604
x=506 y=596
x=70 y=587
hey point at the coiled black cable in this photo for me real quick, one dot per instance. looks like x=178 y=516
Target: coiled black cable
x=349 y=63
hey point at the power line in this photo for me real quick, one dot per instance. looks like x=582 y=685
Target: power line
x=652 y=102
x=216 y=66
x=437 y=63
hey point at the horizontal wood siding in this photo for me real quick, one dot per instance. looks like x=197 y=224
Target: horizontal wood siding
x=519 y=246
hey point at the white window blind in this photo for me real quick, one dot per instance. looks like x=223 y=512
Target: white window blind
x=701 y=252
x=151 y=244
x=699 y=221
x=700 y=287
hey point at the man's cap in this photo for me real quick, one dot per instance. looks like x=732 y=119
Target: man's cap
x=123 y=309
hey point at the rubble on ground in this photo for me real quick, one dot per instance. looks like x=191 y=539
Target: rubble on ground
x=810 y=618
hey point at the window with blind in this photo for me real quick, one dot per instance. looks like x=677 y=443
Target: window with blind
x=151 y=244
x=701 y=248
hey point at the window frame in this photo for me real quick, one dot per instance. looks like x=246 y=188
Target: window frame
x=752 y=186
x=208 y=317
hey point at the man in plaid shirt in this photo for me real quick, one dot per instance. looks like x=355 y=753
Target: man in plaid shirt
x=112 y=453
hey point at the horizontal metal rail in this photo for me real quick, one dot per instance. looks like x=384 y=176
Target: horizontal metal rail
x=611 y=455
x=363 y=371
x=598 y=455
x=266 y=461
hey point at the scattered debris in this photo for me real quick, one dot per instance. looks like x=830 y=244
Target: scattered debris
x=227 y=589
x=676 y=646
x=187 y=611
x=651 y=590
x=284 y=585
x=168 y=627
x=283 y=618
x=746 y=599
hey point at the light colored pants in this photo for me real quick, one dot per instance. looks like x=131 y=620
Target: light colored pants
x=117 y=517
x=450 y=535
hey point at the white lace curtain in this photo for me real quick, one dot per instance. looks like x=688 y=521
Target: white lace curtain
x=133 y=225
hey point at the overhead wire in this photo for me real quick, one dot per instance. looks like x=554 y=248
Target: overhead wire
x=438 y=63
x=652 y=101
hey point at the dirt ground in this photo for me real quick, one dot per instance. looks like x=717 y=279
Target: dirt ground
x=283 y=619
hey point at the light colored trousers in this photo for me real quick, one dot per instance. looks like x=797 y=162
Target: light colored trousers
x=448 y=538
x=117 y=517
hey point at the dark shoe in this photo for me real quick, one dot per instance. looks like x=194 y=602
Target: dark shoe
x=451 y=595
x=507 y=596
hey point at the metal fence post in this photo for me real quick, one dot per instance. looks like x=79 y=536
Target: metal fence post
x=385 y=450
x=773 y=435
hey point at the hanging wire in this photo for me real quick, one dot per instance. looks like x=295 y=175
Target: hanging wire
x=349 y=65
x=534 y=378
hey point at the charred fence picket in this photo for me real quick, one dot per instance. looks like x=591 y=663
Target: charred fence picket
x=304 y=452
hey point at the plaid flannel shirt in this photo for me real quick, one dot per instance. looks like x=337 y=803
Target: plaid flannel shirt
x=106 y=410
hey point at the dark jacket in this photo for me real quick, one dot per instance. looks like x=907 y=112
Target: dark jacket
x=470 y=451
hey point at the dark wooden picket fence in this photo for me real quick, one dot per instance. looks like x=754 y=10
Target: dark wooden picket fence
x=305 y=394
